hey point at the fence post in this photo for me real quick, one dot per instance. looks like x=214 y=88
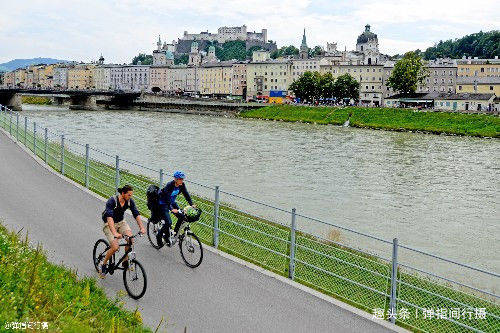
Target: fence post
x=291 y=267
x=46 y=141
x=394 y=277
x=34 y=138
x=161 y=178
x=216 y=217
x=87 y=160
x=10 y=124
x=62 y=154
x=17 y=126
x=117 y=173
x=25 y=129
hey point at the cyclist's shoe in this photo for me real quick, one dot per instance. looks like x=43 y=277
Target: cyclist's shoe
x=159 y=240
x=103 y=271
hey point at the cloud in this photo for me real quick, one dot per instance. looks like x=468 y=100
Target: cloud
x=120 y=29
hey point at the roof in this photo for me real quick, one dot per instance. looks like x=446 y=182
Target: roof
x=465 y=96
x=442 y=96
x=228 y=63
x=366 y=35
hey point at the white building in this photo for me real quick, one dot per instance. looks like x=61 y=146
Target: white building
x=130 y=77
x=60 y=79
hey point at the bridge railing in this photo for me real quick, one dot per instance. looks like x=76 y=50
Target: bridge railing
x=395 y=282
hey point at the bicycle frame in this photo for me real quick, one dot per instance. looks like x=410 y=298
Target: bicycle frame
x=130 y=252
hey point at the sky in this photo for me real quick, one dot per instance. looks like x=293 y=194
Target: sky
x=82 y=30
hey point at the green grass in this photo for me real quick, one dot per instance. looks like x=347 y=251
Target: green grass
x=335 y=116
x=39 y=100
x=34 y=290
x=480 y=125
x=321 y=264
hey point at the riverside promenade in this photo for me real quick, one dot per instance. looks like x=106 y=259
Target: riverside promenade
x=222 y=295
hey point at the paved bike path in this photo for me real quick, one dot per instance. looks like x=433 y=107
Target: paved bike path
x=219 y=296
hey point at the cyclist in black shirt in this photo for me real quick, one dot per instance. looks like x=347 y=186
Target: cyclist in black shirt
x=114 y=224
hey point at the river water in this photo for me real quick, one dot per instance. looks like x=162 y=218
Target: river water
x=433 y=192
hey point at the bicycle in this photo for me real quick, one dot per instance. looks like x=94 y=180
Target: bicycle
x=135 y=282
x=189 y=244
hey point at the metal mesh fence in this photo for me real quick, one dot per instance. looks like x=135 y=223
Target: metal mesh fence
x=451 y=302
x=327 y=260
x=357 y=268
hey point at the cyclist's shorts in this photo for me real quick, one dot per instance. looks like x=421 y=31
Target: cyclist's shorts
x=121 y=228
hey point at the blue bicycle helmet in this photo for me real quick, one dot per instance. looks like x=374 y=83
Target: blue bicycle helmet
x=179 y=174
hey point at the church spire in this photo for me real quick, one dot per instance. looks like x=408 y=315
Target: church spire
x=304 y=43
x=158 y=44
x=304 y=50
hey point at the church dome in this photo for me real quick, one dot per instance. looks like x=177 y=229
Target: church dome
x=170 y=55
x=366 y=35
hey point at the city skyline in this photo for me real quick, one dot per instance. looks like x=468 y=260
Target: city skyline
x=120 y=30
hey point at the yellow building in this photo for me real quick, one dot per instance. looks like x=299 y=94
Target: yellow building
x=478 y=67
x=370 y=77
x=46 y=76
x=216 y=78
x=262 y=77
x=9 y=80
x=480 y=76
x=80 y=77
x=20 y=78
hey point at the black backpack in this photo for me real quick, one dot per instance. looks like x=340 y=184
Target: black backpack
x=152 y=196
x=104 y=219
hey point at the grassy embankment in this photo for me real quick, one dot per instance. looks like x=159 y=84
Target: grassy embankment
x=385 y=118
x=266 y=243
x=38 y=100
x=34 y=290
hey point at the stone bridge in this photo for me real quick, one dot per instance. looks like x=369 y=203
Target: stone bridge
x=75 y=99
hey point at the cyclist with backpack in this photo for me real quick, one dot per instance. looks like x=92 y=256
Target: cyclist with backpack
x=114 y=224
x=167 y=204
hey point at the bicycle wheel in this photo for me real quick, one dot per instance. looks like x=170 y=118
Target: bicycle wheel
x=191 y=250
x=153 y=228
x=134 y=279
x=100 y=249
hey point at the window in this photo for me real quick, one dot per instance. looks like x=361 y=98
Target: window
x=482 y=69
x=491 y=87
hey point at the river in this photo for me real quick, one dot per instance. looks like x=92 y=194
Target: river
x=436 y=193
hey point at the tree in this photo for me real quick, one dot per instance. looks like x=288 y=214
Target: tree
x=306 y=87
x=346 y=87
x=407 y=74
x=285 y=51
x=316 y=51
x=251 y=50
x=327 y=85
x=484 y=45
x=145 y=59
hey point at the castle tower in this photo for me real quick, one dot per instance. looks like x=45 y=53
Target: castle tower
x=194 y=55
x=304 y=50
x=158 y=44
x=211 y=57
x=367 y=43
